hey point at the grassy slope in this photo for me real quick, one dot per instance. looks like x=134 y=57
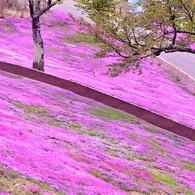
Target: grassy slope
x=71 y=55
x=80 y=146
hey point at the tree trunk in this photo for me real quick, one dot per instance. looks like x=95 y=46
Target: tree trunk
x=22 y=13
x=23 y=7
x=38 y=62
x=2 y=7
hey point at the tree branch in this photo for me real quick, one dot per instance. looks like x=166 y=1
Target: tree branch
x=185 y=32
x=47 y=8
x=177 y=48
x=171 y=49
x=37 y=7
x=110 y=45
x=129 y=41
x=31 y=7
x=187 y=12
x=49 y=2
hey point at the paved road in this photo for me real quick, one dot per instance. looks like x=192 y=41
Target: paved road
x=183 y=61
x=68 y=7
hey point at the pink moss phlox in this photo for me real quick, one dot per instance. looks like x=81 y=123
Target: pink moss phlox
x=4 y=193
x=66 y=156
x=33 y=189
x=77 y=151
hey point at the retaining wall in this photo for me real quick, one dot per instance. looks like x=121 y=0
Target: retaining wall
x=108 y=100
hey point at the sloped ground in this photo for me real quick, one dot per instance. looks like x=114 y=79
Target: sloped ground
x=70 y=55
x=80 y=146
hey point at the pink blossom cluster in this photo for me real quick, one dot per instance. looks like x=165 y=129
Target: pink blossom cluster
x=33 y=189
x=78 y=145
x=154 y=89
x=4 y=193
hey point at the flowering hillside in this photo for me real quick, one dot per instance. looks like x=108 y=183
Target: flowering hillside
x=73 y=56
x=54 y=138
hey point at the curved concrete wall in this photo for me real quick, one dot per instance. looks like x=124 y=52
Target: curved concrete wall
x=108 y=100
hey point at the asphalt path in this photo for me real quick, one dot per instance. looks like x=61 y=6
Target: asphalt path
x=68 y=6
x=184 y=61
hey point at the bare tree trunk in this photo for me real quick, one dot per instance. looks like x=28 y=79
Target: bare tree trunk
x=22 y=13
x=36 y=12
x=2 y=7
x=23 y=7
x=38 y=62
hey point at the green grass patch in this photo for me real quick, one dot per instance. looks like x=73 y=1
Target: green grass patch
x=95 y=133
x=52 y=122
x=55 y=122
x=100 y=54
x=39 y=183
x=112 y=114
x=131 y=157
x=151 y=130
x=95 y=173
x=134 y=136
x=9 y=178
x=82 y=55
x=9 y=31
x=162 y=178
x=60 y=95
x=31 y=109
x=107 y=179
x=26 y=117
x=99 y=175
x=128 y=148
x=185 y=88
x=140 y=157
x=36 y=110
x=156 y=146
x=176 y=79
x=58 y=23
x=111 y=141
x=186 y=191
x=84 y=39
x=53 y=50
x=188 y=166
x=112 y=152
x=81 y=132
x=67 y=57
x=74 y=126
x=19 y=105
x=12 y=174
x=7 y=28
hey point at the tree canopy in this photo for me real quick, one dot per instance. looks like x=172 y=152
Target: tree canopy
x=160 y=26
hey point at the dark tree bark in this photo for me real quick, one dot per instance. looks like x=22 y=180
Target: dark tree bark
x=36 y=11
x=38 y=62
